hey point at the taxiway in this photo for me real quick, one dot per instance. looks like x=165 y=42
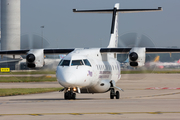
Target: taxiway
x=147 y=96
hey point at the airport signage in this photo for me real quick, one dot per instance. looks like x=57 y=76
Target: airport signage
x=5 y=69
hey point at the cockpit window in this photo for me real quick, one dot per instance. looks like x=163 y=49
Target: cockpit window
x=64 y=63
x=76 y=62
x=86 y=62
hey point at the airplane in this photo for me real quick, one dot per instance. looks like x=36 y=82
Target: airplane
x=162 y=65
x=92 y=70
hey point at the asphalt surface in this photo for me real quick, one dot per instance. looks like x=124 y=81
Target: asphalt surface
x=145 y=97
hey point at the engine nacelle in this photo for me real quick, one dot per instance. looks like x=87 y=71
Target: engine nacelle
x=35 y=58
x=102 y=86
x=137 y=57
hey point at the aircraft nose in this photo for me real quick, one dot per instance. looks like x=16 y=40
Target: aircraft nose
x=66 y=78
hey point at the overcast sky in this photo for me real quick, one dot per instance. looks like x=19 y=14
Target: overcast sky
x=65 y=29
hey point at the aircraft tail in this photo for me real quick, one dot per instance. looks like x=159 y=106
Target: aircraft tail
x=178 y=61
x=114 y=26
x=113 y=43
x=156 y=59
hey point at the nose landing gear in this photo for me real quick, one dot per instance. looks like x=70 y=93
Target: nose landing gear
x=69 y=94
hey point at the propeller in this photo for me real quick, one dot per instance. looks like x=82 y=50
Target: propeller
x=133 y=39
x=37 y=42
x=33 y=42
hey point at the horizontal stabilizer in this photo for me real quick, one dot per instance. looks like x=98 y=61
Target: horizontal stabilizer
x=118 y=10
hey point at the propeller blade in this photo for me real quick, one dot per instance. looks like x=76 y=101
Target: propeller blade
x=25 y=42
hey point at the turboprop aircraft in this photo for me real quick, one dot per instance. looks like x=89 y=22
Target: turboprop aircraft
x=93 y=70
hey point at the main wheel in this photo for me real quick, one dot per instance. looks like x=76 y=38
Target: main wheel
x=111 y=95
x=117 y=94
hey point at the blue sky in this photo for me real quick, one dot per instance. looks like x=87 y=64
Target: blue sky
x=65 y=29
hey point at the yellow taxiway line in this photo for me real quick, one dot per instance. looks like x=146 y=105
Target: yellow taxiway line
x=112 y=113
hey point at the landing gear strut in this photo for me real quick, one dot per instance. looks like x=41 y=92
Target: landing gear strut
x=69 y=94
x=113 y=93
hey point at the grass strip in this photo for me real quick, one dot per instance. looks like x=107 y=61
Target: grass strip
x=28 y=72
x=150 y=71
x=25 y=91
x=27 y=79
x=167 y=71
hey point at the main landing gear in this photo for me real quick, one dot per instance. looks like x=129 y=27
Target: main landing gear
x=113 y=93
x=69 y=94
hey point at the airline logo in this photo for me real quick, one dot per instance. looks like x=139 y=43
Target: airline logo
x=90 y=73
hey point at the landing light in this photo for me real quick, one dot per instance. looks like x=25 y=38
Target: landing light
x=74 y=89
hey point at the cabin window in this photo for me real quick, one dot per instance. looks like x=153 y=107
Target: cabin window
x=76 y=62
x=86 y=62
x=64 y=63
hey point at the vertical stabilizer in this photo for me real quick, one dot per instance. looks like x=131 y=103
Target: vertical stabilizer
x=113 y=43
x=114 y=26
x=156 y=59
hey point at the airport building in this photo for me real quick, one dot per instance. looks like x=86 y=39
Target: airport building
x=10 y=31
x=10 y=24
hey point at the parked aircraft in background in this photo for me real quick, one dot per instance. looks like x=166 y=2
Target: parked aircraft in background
x=162 y=65
x=93 y=70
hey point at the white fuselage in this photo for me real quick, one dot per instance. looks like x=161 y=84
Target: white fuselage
x=92 y=76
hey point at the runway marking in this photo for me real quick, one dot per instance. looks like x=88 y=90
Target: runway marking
x=115 y=113
x=163 y=88
x=151 y=95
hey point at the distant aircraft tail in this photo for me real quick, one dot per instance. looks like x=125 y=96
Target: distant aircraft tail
x=156 y=59
x=178 y=61
x=61 y=56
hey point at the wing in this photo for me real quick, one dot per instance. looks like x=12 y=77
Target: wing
x=137 y=55
x=102 y=50
x=147 y=50
x=46 y=51
x=35 y=57
x=8 y=61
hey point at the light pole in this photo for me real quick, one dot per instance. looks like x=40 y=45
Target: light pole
x=42 y=34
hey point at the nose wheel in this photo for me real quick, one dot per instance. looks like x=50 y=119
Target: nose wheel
x=69 y=95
